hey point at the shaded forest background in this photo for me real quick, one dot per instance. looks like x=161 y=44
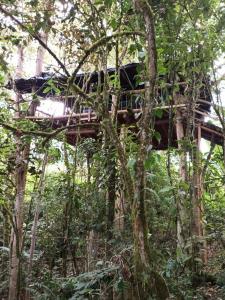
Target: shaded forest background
x=112 y=218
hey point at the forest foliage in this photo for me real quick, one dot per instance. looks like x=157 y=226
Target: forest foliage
x=111 y=217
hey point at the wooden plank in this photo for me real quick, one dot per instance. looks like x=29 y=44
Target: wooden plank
x=82 y=131
x=91 y=115
x=63 y=117
x=206 y=115
x=131 y=92
x=212 y=131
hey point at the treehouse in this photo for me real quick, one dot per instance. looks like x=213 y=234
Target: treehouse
x=129 y=88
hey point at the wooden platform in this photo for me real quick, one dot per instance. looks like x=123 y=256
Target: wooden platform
x=88 y=125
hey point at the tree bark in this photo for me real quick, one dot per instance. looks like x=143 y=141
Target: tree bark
x=142 y=256
x=20 y=174
x=22 y=159
x=39 y=69
x=197 y=226
x=92 y=250
x=182 y=209
x=120 y=205
x=6 y=230
x=140 y=229
x=66 y=214
x=111 y=173
x=111 y=193
x=38 y=198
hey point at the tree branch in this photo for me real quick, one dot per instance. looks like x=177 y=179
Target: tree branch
x=204 y=169
x=99 y=43
x=36 y=37
x=47 y=135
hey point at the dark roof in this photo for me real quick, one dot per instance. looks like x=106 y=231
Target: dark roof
x=129 y=80
x=128 y=76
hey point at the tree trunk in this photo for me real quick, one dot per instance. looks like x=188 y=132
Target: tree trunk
x=65 y=237
x=20 y=174
x=92 y=249
x=140 y=230
x=197 y=227
x=182 y=209
x=22 y=158
x=39 y=66
x=6 y=230
x=120 y=205
x=111 y=182
x=66 y=214
x=40 y=191
x=142 y=256
x=111 y=193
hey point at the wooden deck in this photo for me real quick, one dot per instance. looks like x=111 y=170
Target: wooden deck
x=88 y=125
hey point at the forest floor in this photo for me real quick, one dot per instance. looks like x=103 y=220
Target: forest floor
x=214 y=290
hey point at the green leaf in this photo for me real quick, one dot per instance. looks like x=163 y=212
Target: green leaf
x=98 y=2
x=108 y=3
x=47 y=89
x=114 y=23
x=158 y=113
x=131 y=163
x=166 y=189
x=157 y=136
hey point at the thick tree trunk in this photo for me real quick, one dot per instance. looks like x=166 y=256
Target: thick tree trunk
x=17 y=234
x=140 y=230
x=143 y=257
x=22 y=158
x=20 y=174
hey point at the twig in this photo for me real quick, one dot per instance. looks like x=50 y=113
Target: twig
x=100 y=42
x=36 y=37
x=48 y=135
